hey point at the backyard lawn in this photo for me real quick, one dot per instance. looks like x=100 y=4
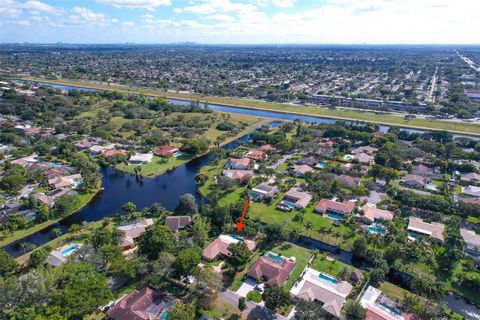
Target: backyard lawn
x=332 y=268
x=302 y=257
x=156 y=167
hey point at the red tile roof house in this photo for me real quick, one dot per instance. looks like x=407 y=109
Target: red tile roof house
x=243 y=175
x=238 y=164
x=323 y=288
x=133 y=231
x=83 y=144
x=325 y=206
x=220 y=245
x=372 y=214
x=176 y=223
x=470 y=178
x=267 y=147
x=256 y=154
x=166 y=151
x=299 y=170
x=272 y=268
x=143 y=304
x=114 y=152
x=70 y=181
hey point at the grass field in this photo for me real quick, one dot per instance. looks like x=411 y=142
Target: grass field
x=19 y=234
x=332 y=268
x=156 y=166
x=386 y=119
x=302 y=257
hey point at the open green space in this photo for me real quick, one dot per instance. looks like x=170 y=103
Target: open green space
x=379 y=118
x=302 y=256
x=157 y=166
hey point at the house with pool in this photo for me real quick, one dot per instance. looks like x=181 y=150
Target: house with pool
x=144 y=304
x=166 y=151
x=299 y=170
x=373 y=217
x=417 y=227
x=333 y=209
x=272 y=269
x=294 y=199
x=60 y=256
x=263 y=191
x=238 y=164
x=317 y=286
x=219 y=246
x=140 y=158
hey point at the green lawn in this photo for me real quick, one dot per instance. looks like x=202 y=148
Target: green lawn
x=156 y=167
x=19 y=234
x=393 y=292
x=332 y=268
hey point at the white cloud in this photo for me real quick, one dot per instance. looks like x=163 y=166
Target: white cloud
x=214 y=6
x=10 y=9
x=284 y=3
x=144 y=4
x=221 y=18
x=129 y=23
x=178 y=10
x=85 y=17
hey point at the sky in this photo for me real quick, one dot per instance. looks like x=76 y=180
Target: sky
x=241 y=21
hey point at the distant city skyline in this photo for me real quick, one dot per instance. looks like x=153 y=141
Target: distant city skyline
x=241 y=22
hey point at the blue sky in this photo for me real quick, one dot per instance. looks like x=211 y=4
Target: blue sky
x=241 y=21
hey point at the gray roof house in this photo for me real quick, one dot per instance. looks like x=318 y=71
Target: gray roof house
x=263 y=191
x=472 y=241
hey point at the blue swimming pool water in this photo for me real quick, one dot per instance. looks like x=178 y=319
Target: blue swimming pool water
x=335 y=216
x=320 y=165
x=276 y=258
x=69 y=250
x=348 y=157
x=78 y=182
x=165 y=315
x=327 y=278
x=288 y=203
x=234 y=236
x=431 y=186
x=55 y=164
x=376 y=230
x=177 y=154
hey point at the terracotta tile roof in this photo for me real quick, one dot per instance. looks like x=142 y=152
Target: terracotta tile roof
x=255 y=154
x=345 y=207
x=220 y=246
x=238 y=174
x=239 y=163
x=166 y=150
x=276 y=272
x=110 y=153
x=371 y=213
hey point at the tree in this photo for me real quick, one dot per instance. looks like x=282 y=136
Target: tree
x=38 y=257
x=359 y=246
x=239 y=255
x=66 y=204
x=74 y=229
x=200 y=229
x=7 y=264
x=225 y=183
x=186 y=262
x=275 y=297
x=354 y=311
x=187 y=205
x=79 y=289
x=310 y=310
x=56 y=232
x=129 y=207
x=209 y=283
x=182 y=311
x=155 y=239
x=242 y=304
x=194 y=146
x=276 y=232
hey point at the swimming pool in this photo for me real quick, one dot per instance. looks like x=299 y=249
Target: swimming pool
x=69 y=250
x=288 y=204
x=78 y=182
x=177 y=154
x=235 y=237
x=320 y=165
x=376 y=230
x=328 y=279
x=275 y=257
x=348 y=157
x=431 y=187
x=335 y=216
x=56 y=164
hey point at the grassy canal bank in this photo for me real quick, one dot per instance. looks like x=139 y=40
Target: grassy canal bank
x=383 y=118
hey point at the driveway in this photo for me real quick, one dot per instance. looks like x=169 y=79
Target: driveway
x=254 y=310
x=247 y=286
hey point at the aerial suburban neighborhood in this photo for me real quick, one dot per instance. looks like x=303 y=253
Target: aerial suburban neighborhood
x=153 y=167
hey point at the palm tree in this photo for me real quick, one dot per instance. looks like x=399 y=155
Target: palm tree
x=27 y=247
x=74 y=229
x=56 y=232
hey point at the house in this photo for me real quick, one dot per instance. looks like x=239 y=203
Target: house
x=471 y=191
x=471 y=200
x=83 y=144
x=60 y=256
x=365 y=158
x=71 y=181
x=325 y=206
x=364 y=149
x=267 y=147
x=255 y=154
x=372 y=214
x=414 y=181
x=326 y=143
x=322 y=288
x=425 y=171
x=272 y=269
x=380 y=307
x=348 y=181
x=140 y=158
x=263 y=191
x=470 y=178
x=176 y=223
x=295 y=199
x=143 y=304
x=166 y=151
x=43 y=198
x=309 y=161
x=299 y=170
x=132 y=231
x=472 y=241
x=238 y=164
x=219 y=246
x=417 y=227
x=97 y=149
x=26 y=161
x=114 y=152
x=243 y=175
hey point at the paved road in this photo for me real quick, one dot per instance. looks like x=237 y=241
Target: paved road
x=281 y=161
x=253 y=309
